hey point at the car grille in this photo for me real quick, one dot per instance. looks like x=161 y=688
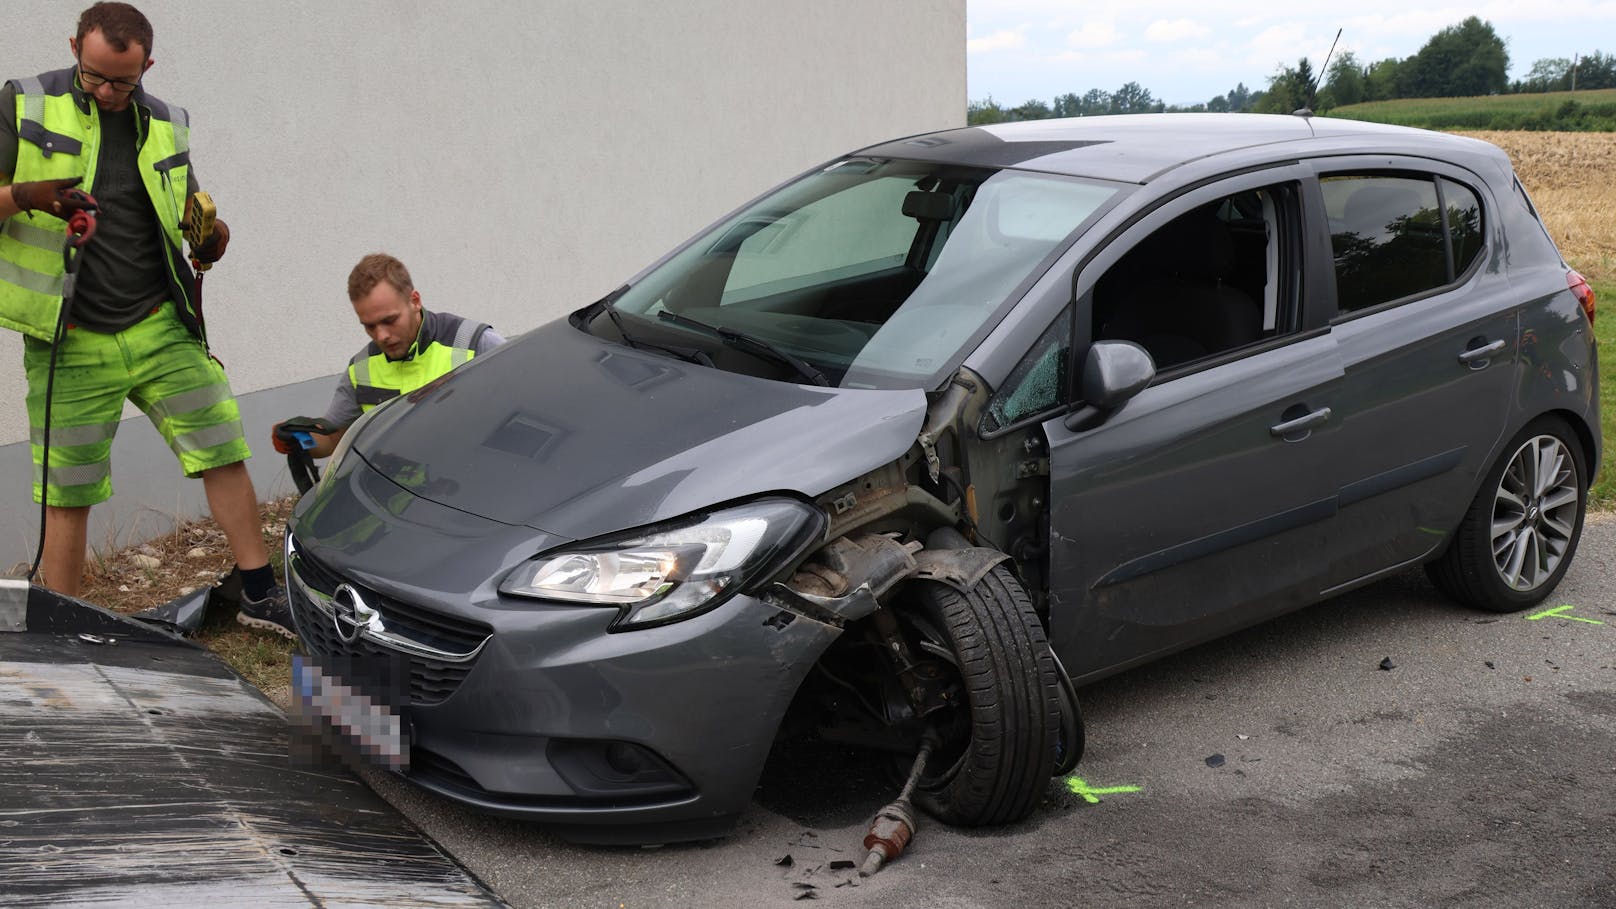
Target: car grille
x=431 y=680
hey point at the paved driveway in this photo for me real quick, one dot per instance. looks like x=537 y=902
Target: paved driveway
x=1279 y=767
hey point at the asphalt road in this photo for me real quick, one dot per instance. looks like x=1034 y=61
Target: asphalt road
x=1476 y=772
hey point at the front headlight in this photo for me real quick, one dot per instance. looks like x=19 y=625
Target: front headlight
x=668 y=573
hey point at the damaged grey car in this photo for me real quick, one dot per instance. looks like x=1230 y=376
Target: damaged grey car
x=919 y=442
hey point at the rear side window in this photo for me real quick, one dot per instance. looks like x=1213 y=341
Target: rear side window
x=1397 y=236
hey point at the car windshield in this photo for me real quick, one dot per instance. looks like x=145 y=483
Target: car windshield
x=874 y=273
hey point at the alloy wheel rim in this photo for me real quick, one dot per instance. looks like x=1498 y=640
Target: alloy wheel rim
x=1534 y=513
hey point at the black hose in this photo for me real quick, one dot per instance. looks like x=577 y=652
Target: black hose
x=44 y=447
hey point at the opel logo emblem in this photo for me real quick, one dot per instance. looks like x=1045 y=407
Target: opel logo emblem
x=351 y=614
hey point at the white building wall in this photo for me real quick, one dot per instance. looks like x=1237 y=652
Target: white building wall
x=521 y=158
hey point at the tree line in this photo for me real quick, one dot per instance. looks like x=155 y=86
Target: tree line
x=1458 y=61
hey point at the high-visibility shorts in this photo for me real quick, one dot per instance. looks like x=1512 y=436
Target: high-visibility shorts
x=159 y=366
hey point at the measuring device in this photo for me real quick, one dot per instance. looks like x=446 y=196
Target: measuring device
x=200 y=216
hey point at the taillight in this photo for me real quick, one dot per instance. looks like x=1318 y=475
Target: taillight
x=1583 y=293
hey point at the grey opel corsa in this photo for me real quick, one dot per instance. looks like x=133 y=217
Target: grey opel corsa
x=922 y=439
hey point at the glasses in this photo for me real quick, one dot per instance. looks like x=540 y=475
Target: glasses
x=93 y=79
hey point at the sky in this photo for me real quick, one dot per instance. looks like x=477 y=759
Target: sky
x=1184 y=51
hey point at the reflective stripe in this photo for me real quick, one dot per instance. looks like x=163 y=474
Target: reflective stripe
x=222 y=434
x=33 y=99
x=460 y=349
x=361 y=370
x=74 y=475
x=28 y=234
x=28 y=279
x=182 y=129
x=69 y=436
x=187 y=401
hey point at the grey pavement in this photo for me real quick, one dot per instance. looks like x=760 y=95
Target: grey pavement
x=1475 y=772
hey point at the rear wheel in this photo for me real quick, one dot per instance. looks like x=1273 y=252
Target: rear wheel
x=1001 y=725
x=1516 y=541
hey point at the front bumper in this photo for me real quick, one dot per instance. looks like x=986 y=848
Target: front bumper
x=532 y=709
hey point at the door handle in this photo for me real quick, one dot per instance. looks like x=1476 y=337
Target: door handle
x=1481 y=353
x=1300 y=424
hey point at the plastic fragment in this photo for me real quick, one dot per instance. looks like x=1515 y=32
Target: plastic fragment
x=1387 y=665
x=1215 y=760
x=785 y=861
x=842 y=865
x=1489 y=664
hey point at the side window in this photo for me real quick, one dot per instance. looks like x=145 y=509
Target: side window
x=1214 y=279
x=1463 y=210
x=1038 y=383
x=1393 y=237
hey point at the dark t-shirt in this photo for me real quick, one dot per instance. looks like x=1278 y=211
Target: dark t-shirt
x=122 y=275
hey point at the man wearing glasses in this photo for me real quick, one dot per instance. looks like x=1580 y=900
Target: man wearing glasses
x=134 y=330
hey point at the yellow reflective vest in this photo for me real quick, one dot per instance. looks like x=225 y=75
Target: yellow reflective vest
x=444 y=342
x=59 y=137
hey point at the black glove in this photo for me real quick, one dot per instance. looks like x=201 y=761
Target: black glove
x=55 y=196
x=213 y=250
x=281 y=434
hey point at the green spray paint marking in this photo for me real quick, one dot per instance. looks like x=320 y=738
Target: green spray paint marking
x=1558 y=612
x=1091 y=794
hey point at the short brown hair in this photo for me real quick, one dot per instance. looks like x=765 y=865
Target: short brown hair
x=119 y=23
x=374 y=269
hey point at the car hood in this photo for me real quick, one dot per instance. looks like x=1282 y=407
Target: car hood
x=576 y=436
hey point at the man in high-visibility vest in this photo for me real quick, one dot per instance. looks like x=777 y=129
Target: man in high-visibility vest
x=409 y=347
x=134 y=330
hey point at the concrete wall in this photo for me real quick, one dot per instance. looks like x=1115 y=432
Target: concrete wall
x=522 y=159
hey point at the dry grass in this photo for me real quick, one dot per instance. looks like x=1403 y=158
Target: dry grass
x=189 y=559
x=1572 y=180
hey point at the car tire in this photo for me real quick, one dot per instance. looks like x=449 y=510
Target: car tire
x=1000 y=748
x=1517 y=540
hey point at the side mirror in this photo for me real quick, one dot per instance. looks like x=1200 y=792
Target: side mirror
x=1113 y=372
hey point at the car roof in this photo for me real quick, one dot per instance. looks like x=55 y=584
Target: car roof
x=1135 y=148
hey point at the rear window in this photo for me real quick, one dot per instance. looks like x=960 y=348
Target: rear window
x=1399 y=236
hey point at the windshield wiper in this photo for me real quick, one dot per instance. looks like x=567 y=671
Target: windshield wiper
x=750 y=343
x=688 y=354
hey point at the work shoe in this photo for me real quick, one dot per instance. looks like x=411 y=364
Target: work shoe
x=271 y=613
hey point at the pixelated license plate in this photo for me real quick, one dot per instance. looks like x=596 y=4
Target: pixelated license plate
x=352 y=708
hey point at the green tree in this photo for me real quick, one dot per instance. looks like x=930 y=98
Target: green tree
x=1030 y=110
x=1132 y=98
x=1344 y=81
x=1240 y=98
x=981 y=113
x=1382 y=79
x=1550 y=74
x=1461 y=60
x=1596 y=70
x=1289 y=89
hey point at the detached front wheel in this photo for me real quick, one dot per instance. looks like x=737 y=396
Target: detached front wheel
x=1516 y=542
x=1001 y=723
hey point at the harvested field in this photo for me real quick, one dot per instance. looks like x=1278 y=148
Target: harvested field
x=1572 y=180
